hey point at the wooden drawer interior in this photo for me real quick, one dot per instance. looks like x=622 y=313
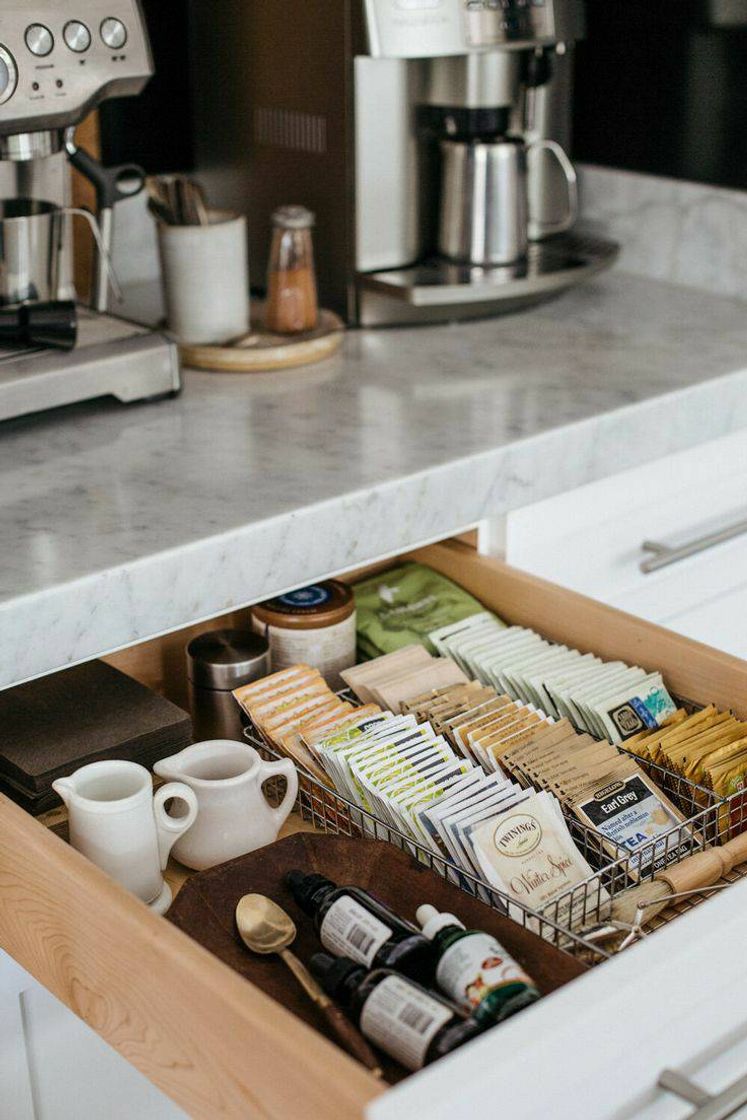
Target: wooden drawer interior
x=213 y=1043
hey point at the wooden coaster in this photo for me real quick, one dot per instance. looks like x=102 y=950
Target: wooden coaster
x=261 y=350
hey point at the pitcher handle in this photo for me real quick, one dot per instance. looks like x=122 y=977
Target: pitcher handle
x=571 y=179
x=285 y=769
x=171 y=828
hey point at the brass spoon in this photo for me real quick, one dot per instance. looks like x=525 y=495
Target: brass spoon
x=265 y=928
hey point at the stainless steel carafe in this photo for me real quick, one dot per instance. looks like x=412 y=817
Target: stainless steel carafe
x=484 y=217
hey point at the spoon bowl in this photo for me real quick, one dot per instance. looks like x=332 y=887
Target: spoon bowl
x=264 y=926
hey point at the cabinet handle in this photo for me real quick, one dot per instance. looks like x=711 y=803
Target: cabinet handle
x=707 y=1106
x=663 y=555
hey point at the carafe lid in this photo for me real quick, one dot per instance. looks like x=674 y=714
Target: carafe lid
x=226 y=659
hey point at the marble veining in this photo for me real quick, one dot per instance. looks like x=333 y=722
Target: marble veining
x=686 y=233
x=117 y=524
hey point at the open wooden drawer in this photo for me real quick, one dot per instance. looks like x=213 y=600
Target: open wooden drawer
x=213 y=1043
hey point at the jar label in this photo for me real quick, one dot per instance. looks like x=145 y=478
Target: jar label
x=349 y=930
x=330 y=649
x=403 y=1020
x=474 y=967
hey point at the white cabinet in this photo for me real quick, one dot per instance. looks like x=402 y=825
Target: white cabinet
x=54 y=1067
x=591 y=540
x=595 y=1050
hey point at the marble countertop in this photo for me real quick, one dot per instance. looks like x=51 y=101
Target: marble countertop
x=118 y=524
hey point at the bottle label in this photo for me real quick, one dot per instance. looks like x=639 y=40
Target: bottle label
x=475 y=966
x=402 y=1020
x=349 y=930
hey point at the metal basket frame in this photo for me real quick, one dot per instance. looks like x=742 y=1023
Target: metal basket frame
x=583 y=906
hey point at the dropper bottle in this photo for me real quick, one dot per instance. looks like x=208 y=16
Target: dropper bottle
x=413 y=1026
x=353 y=923
x=474 y=970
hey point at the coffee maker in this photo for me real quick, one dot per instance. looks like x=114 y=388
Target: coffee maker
x=430 y=138
x=59 y=59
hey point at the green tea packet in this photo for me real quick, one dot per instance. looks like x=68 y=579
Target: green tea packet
x=402 y=606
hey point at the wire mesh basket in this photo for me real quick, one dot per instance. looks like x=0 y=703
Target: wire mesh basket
x=583 y=907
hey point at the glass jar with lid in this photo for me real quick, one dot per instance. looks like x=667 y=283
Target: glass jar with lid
x=292 y=301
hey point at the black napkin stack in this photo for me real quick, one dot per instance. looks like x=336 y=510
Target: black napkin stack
x=51 y=727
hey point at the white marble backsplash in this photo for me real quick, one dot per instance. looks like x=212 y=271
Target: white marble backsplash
x=685 y=233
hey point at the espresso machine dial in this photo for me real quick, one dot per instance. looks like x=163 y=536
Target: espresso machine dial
x=8 y=75
x=59 y=59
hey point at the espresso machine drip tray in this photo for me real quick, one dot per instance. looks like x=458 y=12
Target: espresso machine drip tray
x=438 y=289
x=113 y=358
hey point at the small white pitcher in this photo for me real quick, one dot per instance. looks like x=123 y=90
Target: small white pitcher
x=118 y=823
x=235 y=817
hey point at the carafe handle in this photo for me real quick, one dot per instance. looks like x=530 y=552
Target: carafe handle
x=171 y=828
x=284 y=769
x=566 y=164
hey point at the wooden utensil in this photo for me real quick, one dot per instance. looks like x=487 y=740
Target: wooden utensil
x=265 y=928
x=701 y=870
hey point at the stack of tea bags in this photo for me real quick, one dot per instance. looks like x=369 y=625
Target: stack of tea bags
x=709 y=749
x=408 y=775
x=293 y=703
x=610 y=700
x=605 y=790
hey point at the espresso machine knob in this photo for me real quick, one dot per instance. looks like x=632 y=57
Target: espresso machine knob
x=8 y=75
x=114 y=33
x=77 y=36
x=39 y=40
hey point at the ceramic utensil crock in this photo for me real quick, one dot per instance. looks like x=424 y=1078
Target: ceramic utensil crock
x=118 y=823
x=235 y=817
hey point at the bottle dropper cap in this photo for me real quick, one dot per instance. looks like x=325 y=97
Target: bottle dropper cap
x=431 y=921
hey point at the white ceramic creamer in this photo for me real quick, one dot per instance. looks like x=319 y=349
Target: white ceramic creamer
x=235 y=816
x=118 y=823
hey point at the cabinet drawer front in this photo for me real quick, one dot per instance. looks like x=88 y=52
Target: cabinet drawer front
x=591 y=539
x=211 y=1041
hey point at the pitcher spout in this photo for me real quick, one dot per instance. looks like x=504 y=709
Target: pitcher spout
x=170 y=769
x=64 y=788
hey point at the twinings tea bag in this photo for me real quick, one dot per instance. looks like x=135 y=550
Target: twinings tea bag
x=528 y=854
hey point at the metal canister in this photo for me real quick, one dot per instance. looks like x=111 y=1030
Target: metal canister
x=218 y=662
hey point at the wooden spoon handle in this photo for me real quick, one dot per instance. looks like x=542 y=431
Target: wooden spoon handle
x=705 y=868
x=350 y=1037
x=345 y=1031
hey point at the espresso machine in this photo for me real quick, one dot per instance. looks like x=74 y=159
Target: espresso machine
x=430 y=137
x=59 y=59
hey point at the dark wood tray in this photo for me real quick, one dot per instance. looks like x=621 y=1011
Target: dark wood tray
x=205 y=909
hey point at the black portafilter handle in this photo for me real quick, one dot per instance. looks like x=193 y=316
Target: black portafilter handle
x=53 y=325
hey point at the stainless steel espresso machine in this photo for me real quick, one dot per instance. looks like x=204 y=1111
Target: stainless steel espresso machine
x=430 y=137
x=59 y=59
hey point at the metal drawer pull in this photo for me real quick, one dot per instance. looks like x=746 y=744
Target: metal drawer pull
x=707 y=1106
x=664 y=555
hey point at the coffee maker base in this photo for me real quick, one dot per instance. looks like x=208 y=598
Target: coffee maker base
x=113 y=358
x=439 y=290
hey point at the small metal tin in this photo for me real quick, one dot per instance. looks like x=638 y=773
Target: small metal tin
x=218 y=662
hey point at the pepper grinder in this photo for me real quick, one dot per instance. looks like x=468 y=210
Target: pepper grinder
x=218 y=662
